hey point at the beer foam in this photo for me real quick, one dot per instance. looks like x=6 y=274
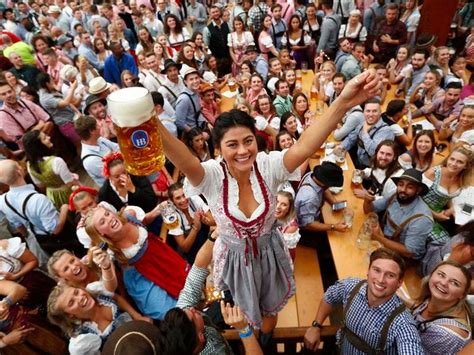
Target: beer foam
x=130 y=107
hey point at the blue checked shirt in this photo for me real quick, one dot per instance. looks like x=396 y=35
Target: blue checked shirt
x=368 y=322
x=308 y=201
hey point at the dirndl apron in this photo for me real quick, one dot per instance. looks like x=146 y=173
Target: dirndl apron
x=254 y=266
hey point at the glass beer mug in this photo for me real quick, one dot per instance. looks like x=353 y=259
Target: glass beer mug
x=169 y=215
x=134 y=118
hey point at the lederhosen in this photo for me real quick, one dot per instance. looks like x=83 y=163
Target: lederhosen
x=398 y=228
x=355 y=340
x=373 y=185
x=50 y=242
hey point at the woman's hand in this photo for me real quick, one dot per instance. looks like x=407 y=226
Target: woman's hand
x=197 y=220
x=361 y=88
x=233 y=316
x=4 y=310
x=17 y=335
x=8 y=276
x=100 y=258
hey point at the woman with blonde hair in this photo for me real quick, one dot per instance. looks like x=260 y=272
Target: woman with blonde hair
x=285 y=214
x=354 y=30
x=86 y=319
x=323 y=80
x=153 y=273
x=115 y=35
x=429 y=90
x=445 y=182
x=441 y=312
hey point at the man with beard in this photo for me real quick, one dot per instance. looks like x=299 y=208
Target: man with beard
x=414 y=73
x=97 y=108
x=375 y=320
x=442 y=111
x=408 y=220
x=377 y=178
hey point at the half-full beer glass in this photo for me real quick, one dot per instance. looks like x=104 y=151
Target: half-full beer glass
x=134 y=117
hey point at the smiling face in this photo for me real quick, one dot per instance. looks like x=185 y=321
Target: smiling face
x=188 y=52
x=267 y=22
x=76 y=303
x=430 y=80
x=275 y=67
x=282 y=207
x=70 y=268
x=8 y=95
x=143 y=35
x=423 y=144
x=239 y=148
x=290 y=77
x=106 y=222
x=97 y=109
x=452 y=96
x=466 y=119
x=171 y=22
x=285 y=141
x=264 y=105
x=256 y=84
x=402 y=54
x=443 y=56
x=456 y=162
x=372 y=113
x=180 y=200
x=192 y=81
x=447 y=284
x=327 y=71
x=291 y=125
x=383 y=280
x=385 y=157
x=84 y=205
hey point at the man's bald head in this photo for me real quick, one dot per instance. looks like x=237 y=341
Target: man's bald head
x=9 y=172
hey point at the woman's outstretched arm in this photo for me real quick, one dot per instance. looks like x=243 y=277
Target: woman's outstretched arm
x=177 y=152
x=356 y=91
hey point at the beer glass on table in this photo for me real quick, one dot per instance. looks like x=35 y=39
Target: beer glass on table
x=134 y=117
x=357 y=177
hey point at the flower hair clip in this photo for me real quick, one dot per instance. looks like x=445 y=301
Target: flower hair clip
x=73 y=194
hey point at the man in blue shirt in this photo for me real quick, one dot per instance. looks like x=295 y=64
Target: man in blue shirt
x=117 y=62
x=367 y=136
x=25 y=209
x=312 y=192
x=258 y=62
x=86 y=50
x=408 y=220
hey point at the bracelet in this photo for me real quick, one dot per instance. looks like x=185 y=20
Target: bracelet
x=209 y=237
x=106 y=269
x=246 y=332
x=8 y=301
x=107 y=280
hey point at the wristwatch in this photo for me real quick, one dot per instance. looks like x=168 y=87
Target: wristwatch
x=315 y=324
x=333 y=227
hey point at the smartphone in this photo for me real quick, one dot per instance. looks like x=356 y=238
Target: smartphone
x=339 y=205
x=467 y=209
x=104 y=246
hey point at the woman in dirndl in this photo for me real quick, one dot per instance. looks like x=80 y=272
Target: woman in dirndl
x=238 y=41
x=250 y=257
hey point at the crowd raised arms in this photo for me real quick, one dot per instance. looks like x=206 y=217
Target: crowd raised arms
x=152 y=152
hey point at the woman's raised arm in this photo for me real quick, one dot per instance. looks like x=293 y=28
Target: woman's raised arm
x=356 y=91
x=177 y=152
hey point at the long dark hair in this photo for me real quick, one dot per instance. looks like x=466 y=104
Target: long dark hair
x=167 y=29
x=231 y=119
x=182 y=59
x=146 y=46
x=430 y=154
x=35 y=150
x=394 y=165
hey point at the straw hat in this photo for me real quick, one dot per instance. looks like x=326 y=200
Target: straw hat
x=98 y=85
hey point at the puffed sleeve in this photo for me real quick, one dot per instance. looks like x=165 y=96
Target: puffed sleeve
x=229 y=40
x=85 y=344
x=15 y=247
x=273 y=169
x=210 y=185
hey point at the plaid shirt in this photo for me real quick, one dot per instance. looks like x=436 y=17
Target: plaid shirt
x=256 y=15
x=190 y=296
x=367 y=322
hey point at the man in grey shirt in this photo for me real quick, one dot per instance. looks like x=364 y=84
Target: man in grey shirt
x=367 y=136
x=408 y=220
x=329 y=30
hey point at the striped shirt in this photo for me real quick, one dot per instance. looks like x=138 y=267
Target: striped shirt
x=367 y=322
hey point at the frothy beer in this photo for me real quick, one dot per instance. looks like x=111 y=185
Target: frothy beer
x=134 y=118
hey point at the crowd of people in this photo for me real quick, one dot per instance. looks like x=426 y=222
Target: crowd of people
x=85 y=258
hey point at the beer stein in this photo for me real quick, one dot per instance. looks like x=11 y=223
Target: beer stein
x=134 y=117
x=357 y=177
x=169 y=214
x=232 y=84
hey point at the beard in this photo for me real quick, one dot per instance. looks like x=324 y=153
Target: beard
x=406 y=200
